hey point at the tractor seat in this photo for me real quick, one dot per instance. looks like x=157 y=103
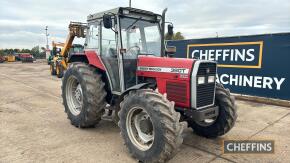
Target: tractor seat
x=112 y=52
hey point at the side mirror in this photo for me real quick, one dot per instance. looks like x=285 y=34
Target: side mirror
x=170 y=29
x=170 y=51
x=107 y=21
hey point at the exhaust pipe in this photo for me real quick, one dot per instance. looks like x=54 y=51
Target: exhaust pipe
x=163 y=33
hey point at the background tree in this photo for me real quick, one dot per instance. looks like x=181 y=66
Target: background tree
x=178 y=36
x=1 y=52
x=25 y=51
x=36 y=52
x=42 y=53
x=175 y=36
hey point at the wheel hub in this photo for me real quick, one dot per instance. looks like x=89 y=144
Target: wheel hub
x=79 y=94
x=74 y=96
x=140 y=128
x=146 y=126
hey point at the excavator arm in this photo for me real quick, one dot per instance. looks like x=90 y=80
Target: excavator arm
x=56 y=44
x=76 y=29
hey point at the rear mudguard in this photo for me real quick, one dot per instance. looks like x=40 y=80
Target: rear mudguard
x=90 y=57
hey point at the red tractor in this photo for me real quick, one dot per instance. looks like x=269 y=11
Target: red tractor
x=26 y=57
x=126 y=73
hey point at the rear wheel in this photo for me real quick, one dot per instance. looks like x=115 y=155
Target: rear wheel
x=52 y=69
x=83 y=95
x=150 y=126
x=224 y=122
x=59 y=70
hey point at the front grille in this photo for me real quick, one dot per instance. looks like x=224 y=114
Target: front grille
x=205 y=92
x=206 y=69
x=176 y=92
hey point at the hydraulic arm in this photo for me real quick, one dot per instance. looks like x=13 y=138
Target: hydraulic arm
x=76 y=29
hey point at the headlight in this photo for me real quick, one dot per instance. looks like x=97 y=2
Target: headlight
x=211 y=79
x=200 y=80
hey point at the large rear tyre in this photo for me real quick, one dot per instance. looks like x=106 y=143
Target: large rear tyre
x=225 y=120
x=150 y=126
x=83 y=95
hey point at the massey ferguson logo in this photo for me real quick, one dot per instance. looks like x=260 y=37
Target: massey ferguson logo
x=164 y=69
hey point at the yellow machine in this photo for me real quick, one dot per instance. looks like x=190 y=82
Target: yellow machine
x=54 y=57
x=10 y=58
x=58 y=63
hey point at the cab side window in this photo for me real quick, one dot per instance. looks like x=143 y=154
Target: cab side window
x=93 y=38
x=109 y=45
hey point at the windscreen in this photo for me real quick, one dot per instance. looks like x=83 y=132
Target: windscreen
x=140 y=37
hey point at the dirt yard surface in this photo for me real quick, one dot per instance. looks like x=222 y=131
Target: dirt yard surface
x=34 y=127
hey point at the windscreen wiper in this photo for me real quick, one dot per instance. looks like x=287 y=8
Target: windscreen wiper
x=134 y=23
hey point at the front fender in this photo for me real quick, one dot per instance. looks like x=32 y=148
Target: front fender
x=135 y=87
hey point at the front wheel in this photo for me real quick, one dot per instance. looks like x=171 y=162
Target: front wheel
x=150 y=126
x=224 y=122
x=59 y=70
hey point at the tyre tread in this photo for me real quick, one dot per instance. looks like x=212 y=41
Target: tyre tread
x=169 y=119
x=96 y=95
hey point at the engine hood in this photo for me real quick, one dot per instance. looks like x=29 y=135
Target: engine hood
x=164 y=67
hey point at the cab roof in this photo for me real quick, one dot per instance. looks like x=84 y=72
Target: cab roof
x=119 y=11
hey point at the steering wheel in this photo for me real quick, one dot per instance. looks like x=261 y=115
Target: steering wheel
x=133 y=51
x=111 y=51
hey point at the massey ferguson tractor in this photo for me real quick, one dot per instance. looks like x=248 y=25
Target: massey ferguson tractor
x=126 y=73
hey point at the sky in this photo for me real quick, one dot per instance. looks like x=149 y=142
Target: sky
x=22 y=22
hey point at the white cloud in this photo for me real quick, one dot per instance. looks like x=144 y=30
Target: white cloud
x=22 y=22
x=21 y=39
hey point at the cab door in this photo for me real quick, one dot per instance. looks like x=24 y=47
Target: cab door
x=110 y=58
x=103 y=42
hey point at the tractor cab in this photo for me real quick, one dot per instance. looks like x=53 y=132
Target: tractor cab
x=119 y=36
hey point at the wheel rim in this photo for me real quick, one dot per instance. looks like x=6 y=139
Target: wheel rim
x=140 y=128
x=74 y=95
